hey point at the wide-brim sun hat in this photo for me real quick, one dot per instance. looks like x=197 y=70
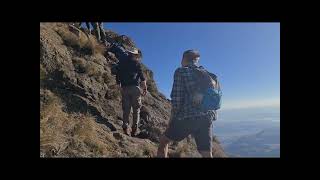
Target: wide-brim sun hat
x=133 y=50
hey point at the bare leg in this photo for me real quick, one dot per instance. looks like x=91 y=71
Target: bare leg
x=102 y=32
x=163 y=147
x=207 y=154
x=88 y=27
x=96 y=30
x=136 y=105
x=126 y=107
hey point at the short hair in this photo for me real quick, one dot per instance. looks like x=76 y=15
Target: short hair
x=191 y=54
x=140 y=53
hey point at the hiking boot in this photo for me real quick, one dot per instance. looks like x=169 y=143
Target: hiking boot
x=106 y=44
x=134 y=132
x=127 y=131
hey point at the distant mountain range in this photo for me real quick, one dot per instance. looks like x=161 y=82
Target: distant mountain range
x=265 y=143
x=249 y=132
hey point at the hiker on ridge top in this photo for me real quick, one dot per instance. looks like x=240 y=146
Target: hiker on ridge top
x=99 y=32
x=189 y=115
x=87 y=24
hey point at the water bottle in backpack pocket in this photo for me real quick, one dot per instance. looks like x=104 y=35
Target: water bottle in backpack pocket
x=211 y=99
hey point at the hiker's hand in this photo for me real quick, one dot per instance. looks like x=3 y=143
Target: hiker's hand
x=144 y=87
x=144 y=91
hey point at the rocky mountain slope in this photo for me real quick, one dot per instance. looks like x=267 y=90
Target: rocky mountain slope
x=80 y=106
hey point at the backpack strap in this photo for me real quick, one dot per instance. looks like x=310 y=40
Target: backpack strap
x=214 y=78
x=218 y=85
x=204 y=79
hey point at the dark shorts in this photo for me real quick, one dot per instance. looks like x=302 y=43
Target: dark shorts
x=200 y=128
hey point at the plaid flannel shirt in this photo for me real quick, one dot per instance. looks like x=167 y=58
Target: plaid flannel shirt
x=182 y=90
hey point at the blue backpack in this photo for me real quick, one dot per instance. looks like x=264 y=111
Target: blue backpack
x=210 y=91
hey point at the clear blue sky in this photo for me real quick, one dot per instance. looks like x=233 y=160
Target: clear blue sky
x=245 y=56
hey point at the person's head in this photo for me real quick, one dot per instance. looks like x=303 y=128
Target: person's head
x=135 y=54
x=190 y=57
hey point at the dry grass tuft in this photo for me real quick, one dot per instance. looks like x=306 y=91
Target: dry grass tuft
x=63 y=134
x=79 y=64
x=93 y=69
x=79 y=40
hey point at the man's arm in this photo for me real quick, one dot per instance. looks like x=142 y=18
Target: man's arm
x=143 y=80
x=177 y=91
x=215 y=78
x=143 y=85
x=118 y=50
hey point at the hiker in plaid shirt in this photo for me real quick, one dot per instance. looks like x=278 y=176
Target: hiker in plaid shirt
x=185 y=117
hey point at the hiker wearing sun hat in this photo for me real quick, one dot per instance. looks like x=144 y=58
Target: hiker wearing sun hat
x=132 y=81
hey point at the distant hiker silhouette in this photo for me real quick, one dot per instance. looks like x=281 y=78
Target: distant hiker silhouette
x=87 y=24
x=99 y=32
